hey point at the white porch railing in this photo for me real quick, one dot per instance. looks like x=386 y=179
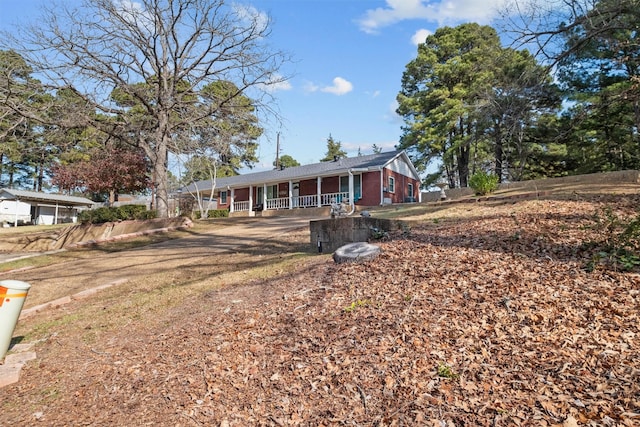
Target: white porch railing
x=309 y=201
x=279 y=203
x=241 y=206
x=305 y=201
x=329 y=198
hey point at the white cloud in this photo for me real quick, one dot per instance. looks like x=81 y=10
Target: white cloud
x=309 y=87
x=340 y=87
x=133 y=12
x=277 y=83
x=392 y=116
x=252 y=16
x=420 y=36
x=130 y=6
x=441 y=12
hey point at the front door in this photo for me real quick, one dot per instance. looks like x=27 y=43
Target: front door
x=295 y=193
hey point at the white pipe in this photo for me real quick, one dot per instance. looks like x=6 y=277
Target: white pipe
x=351 y=193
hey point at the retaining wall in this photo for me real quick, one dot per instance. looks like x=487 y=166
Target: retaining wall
x=327 y=235
x=617 y=177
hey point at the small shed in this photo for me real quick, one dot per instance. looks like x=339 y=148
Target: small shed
x=19 y=207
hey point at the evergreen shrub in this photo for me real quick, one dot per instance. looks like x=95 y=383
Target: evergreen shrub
x=113 y=214
x=483 y=183
x=214 y=213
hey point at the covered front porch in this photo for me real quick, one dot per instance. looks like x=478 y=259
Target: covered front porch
x=314 y=201
x=310 y=193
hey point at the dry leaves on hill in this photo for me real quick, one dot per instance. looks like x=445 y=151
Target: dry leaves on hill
x=491 y=321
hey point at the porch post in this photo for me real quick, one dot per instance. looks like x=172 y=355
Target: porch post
x=55 y=218
x=290 y=194
x=250 y=199
x=233 y=195
x=319 y=190
x=15 y=224
x=264 y=196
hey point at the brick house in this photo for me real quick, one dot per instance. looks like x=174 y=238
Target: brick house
x=371 y=180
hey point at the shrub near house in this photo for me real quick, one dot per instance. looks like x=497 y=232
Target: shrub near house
x=114 y=214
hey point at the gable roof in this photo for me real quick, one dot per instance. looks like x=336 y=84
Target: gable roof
x=369 y=162
x=12 y=194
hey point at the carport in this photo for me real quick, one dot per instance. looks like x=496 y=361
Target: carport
x=32 y=207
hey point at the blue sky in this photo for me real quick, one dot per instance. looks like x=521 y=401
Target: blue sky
x=349 y=56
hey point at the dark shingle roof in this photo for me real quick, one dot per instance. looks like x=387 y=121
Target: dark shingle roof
x=371 y=162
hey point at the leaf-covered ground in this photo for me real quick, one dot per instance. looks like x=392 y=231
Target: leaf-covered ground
x=498 y=319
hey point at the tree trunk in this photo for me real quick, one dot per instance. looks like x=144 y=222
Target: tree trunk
x=463 y=165
x=463 y=157
x=11 y=170
x=157 y=151
x=160 y=176
x=162 y=204
x=41 y=173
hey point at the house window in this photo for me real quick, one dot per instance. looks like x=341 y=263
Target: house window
x=357 y=186
x=223 y=197
x=410 y=190
x=272 y=191
x=392 y=184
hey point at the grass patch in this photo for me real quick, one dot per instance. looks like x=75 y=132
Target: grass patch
x=49 y=326
x=137 y=242
x=356 y=304
x=37 y=260
x=145 y=301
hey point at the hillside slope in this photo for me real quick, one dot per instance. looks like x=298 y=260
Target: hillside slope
x=479 y=315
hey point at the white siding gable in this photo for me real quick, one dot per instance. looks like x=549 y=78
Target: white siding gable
x=400 y=166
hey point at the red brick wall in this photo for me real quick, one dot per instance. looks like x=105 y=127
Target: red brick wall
x=330 y=184
x=308 y=187
x=283 y=189
x=241 y=195
x=370 y=189
x=401 y=191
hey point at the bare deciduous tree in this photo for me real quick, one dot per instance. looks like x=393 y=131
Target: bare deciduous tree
x=556 y=29
x=158 y=55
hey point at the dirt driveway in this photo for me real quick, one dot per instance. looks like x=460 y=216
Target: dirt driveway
x=171 y=256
